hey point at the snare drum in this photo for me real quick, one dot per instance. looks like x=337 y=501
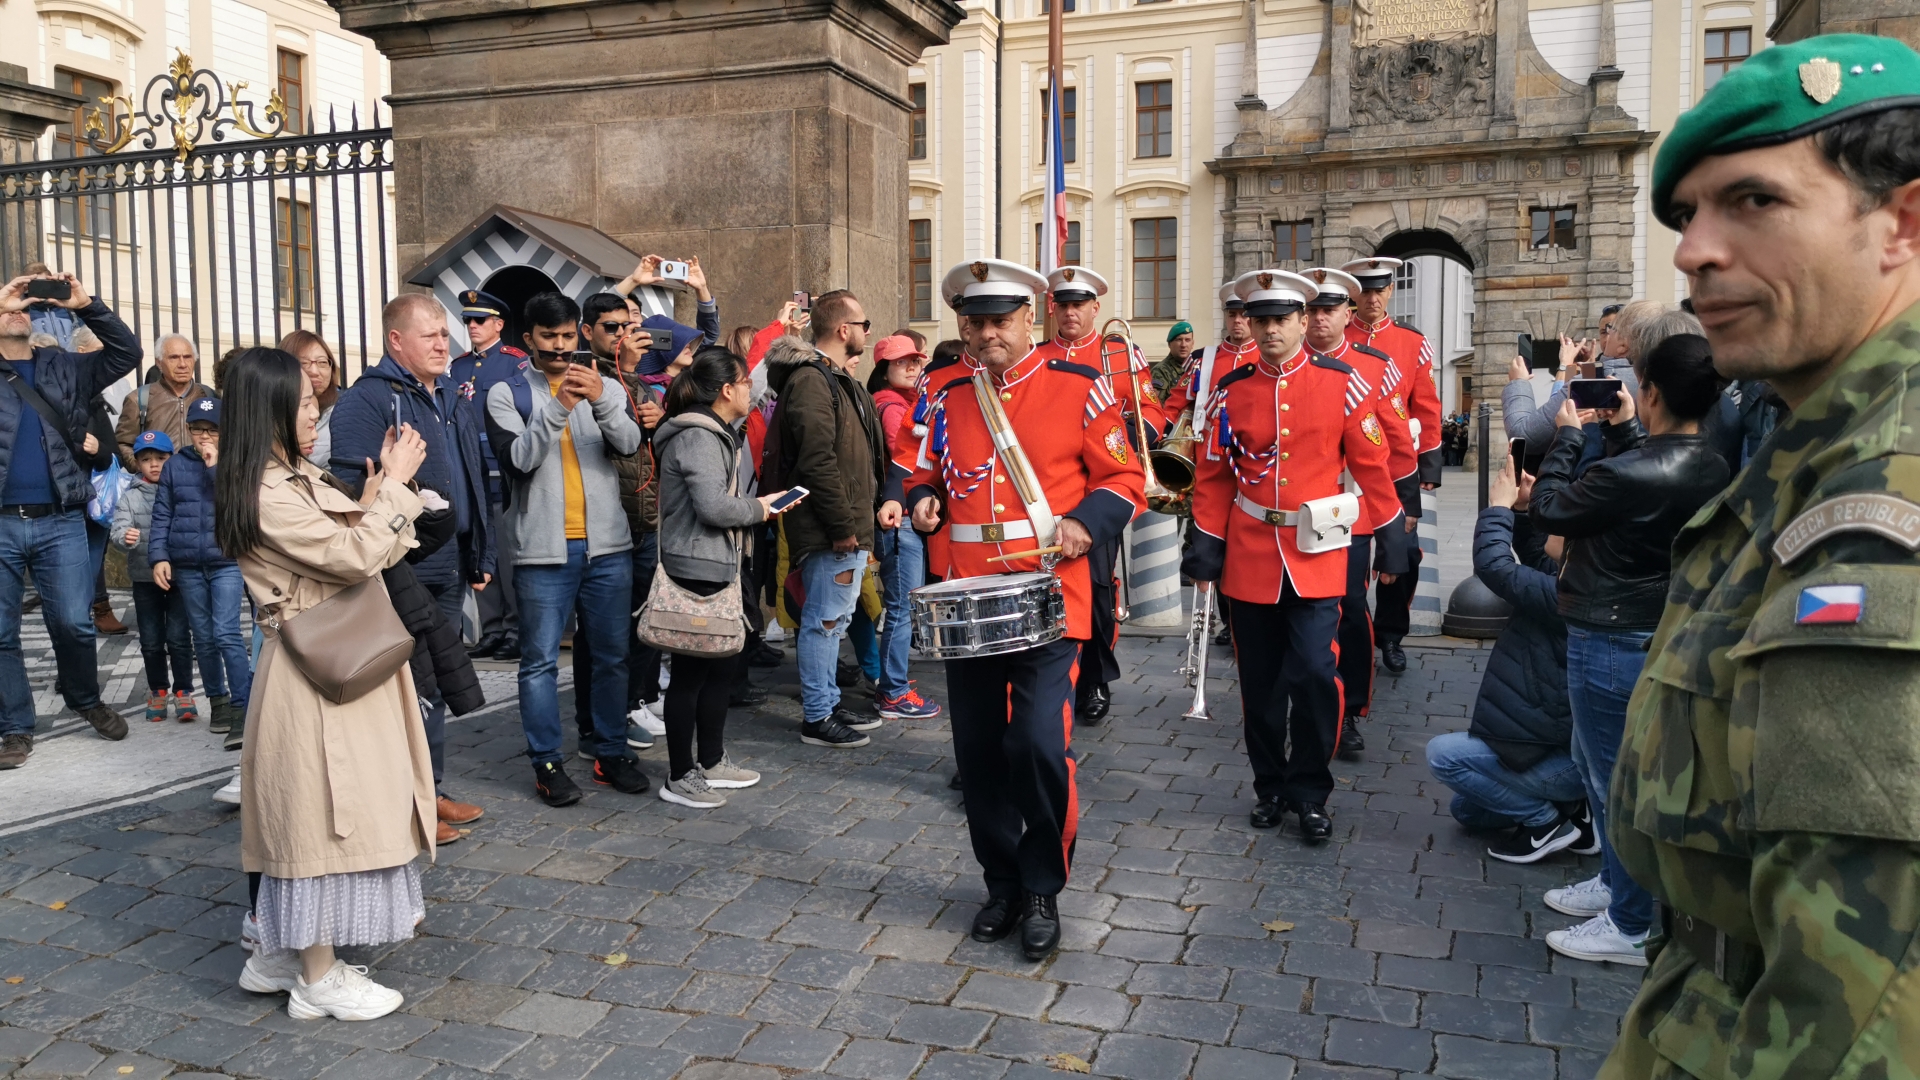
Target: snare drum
x=986 y=616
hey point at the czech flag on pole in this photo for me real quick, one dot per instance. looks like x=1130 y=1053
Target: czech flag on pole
x=1055 y=220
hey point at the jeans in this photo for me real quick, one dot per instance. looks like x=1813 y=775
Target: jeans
x=903 y=568
x=213 y=595
x=599 y=589
x=166 y=641
x=54 y=550
x=1602 y=667
x=450 y=596
x=832 y=581
x=643 y=661
x=1489 y=795
x=97 y=536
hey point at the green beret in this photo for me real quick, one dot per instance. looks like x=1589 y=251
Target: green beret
x=1178 y=329
x=1785 y=93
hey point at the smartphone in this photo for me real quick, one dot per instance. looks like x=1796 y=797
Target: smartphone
x=1595 y=393
x=1524 y=346
x=794 y=494
x=1589 y=369
x=582 y=357
x=49 y=289
x=1517 y=450
x=803 y=300
x=396 y=414
x=673 y=270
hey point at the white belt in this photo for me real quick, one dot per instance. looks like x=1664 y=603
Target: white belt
x=1270 y=516
x=995 y=532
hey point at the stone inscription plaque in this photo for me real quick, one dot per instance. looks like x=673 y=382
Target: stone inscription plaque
x=1382 y=22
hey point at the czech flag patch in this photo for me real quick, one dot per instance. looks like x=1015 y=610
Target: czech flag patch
x=1828 y=604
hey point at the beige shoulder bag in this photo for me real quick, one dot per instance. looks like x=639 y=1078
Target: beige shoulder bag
x=348 y=643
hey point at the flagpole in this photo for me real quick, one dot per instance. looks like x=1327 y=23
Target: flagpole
x=1056 y=78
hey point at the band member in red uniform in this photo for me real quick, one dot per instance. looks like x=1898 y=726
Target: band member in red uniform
x=1214 y=361
x=1061 y=472
x=1413 y=397
x=1284 y=430
x=1327 y=317
x=1074 y=296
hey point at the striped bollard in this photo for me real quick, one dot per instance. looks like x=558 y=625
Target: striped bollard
x=1424 y=620
x=1153 y=572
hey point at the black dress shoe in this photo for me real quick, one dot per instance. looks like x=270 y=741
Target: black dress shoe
x=1392 y=655
x=1040 y=928
x=1316 y=827
x=486 y=646
x=746 y=696
x=997 y=919
x=1268 y=814
x=1098 y=702
x=1351 y=741
x=766 y=656
x=509 y=648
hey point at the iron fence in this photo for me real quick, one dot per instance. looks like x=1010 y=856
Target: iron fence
x=229 y=243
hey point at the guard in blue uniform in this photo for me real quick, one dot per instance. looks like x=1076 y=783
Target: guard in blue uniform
x=488 y=361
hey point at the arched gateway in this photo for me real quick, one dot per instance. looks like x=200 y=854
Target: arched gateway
x=1435 y=127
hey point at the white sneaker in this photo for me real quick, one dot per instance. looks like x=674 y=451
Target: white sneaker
x=692 y=790
x=725 y=774
x=1582 y=900
x=643 y=716
x=1599 y=940
x=344 y=993
x=249 y=932
x=231 y=793
x=271 y=973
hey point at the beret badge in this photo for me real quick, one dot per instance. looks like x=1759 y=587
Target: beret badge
x=1820 y=78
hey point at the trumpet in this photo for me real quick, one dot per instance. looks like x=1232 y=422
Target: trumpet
x=1160 y=498
x=1199 y=633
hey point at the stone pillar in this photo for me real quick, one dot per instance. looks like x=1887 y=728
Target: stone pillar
x=768 y=139
x=1339 y=94
x=26 y=112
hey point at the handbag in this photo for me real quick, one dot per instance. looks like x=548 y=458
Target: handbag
x=679 y=620
x=348 y=643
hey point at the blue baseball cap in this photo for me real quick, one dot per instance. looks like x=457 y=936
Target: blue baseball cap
x=152 y=440
x=204 y=410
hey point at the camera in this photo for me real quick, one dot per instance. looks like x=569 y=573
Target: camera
x=673 y=269
x=49 y=289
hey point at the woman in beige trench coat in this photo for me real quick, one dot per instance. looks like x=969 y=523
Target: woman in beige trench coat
x=337 y=800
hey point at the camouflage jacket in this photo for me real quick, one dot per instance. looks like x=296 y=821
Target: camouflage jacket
x=1769 y=780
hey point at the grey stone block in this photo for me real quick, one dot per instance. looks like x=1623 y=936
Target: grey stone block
x=1573 y=1027
x=1178 y=980
x=1091 y=969
x=50 y=1011
x=1365 y=1001
x=650 y=986
x=1356 y=1042
x=1090 y=1006
x=284 y=1057
x=127 y=1027
x=639 y=1027
x=1144 y=946
x=790 y=1047
x=1201 y=1021
x=872 y=1059
x=471 y=1045
x=913 y=980
x=1420 y=973
x=640 y=1063
x=206 y=1043
x=547 y=1014
x=1232 y=1063
x=1032 y=1041
x=870 y=1015
x=1478 y=1059
x=467 y=1002
x=791 y=1003
x=1484 y=1018
x=1330 y=961
x=1140 y=1057
x=1007 y=996
x=556 y=1057
x=942 y=1026
x=376 y=1065
x=948 y=1065
x=1286 y=1032
x=1538 y=987
x=711 y=1036
x=825 y=969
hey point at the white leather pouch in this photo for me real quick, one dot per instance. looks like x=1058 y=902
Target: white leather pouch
x=1326 y=524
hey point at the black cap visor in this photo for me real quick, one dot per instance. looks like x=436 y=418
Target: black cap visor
x=988 y=305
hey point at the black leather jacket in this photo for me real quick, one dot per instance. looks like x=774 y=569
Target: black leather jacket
x=1620 y=517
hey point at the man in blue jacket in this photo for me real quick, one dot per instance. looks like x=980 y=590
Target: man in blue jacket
x=1512 y=770
x=45 y=397
x=410 y=385
x=490 y=360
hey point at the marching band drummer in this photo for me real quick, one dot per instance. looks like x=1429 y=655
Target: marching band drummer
x=1281 y=432
x=1062 y=450
x=1412 y=395
x=1074 y=297
x=1327 y=317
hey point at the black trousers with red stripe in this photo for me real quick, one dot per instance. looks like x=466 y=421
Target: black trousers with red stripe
x=1289 y=690
x=1098 y=664
x=1356 y=629
x=1013 y=735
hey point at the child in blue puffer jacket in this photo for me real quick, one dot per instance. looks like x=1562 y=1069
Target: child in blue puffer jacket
x=186 y=557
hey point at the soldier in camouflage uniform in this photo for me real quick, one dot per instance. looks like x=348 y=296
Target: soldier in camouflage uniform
x=1768 y=787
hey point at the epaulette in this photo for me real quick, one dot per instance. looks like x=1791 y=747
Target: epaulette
x=1328 y=362
x=1077 y=369
x=1234 y=376
x=511 y=351
x=1370 y=351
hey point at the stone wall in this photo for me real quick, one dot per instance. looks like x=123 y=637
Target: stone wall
x=766 y=138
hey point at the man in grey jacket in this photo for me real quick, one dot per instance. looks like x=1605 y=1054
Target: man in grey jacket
x=553 y=427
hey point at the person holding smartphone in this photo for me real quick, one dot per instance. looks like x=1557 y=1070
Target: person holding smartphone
x=704 y=522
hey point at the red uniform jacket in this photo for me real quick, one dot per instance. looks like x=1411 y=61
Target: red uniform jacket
x=1372 y=366
x=1184 y=392
x=1411 y=394
x=1086 y=352
x=1280 y=438
x=1068 y=422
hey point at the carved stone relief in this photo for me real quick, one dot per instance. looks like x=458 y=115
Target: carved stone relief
x=1422 y=80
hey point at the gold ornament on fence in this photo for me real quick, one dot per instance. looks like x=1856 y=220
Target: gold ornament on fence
x=182 y=108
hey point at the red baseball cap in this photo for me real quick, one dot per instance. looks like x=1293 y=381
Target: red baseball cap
x=896 y=347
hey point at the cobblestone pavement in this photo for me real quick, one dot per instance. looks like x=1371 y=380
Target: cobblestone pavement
x=817 y=923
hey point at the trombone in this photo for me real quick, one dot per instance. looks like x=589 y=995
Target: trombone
x=1199 y=635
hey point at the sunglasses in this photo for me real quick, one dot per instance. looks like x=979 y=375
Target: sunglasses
x=865 y=325
x=615 y=327
x=473 y=320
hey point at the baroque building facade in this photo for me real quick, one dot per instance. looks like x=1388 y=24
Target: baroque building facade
x=1501 y=145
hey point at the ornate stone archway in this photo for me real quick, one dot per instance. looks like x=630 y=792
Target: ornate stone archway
x=1442 y=116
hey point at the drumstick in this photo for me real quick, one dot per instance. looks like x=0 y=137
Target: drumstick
x=1054 y=550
